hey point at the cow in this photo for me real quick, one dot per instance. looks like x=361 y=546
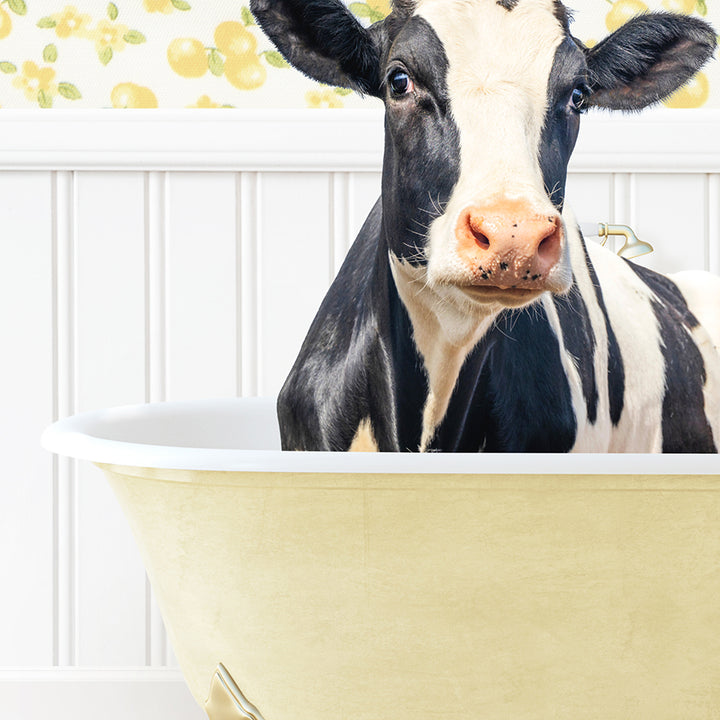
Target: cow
x=470 y=315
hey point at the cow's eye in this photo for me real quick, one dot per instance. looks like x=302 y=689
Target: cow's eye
x=400 y=83
x=579 y=98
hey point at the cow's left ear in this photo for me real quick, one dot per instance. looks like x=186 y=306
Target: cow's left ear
x=322 y=39
x=647 y=59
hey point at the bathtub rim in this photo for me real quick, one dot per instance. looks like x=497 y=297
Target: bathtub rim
x=78 y=437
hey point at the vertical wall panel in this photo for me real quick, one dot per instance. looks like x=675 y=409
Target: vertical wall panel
x=590 y=197
x=201 y=266
x=26 y=407
x=713 y=223
x=65 y=480
x=670 y=215
x=249 y=230
x=294 y=267
x=354 y=195
x=364 y=192
x=110 y=367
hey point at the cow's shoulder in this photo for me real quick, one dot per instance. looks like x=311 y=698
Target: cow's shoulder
x=343 y=376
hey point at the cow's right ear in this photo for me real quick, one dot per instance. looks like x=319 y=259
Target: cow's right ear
x=324 y=40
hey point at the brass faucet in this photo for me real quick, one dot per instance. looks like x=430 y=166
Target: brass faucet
x=633 y=247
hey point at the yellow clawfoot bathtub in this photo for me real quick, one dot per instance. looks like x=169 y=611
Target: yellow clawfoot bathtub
x=324 y=586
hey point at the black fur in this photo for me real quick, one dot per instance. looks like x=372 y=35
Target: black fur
x=647 y=59
x=323 y=39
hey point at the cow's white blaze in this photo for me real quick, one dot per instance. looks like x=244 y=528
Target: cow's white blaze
x=498 y=74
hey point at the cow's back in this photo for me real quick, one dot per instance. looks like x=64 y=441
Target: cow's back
x=667 y=331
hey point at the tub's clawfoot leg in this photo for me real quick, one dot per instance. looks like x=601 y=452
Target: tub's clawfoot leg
x=226 y=702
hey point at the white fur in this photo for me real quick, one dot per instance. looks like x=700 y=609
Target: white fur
x=497 y=83
x=629 y=306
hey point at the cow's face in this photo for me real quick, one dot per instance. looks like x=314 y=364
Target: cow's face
x=483 y=104
x=482 y=100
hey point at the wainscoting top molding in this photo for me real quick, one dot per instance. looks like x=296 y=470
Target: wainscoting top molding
x=323 y=140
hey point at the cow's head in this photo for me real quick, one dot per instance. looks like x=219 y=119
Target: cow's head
x=483 y=101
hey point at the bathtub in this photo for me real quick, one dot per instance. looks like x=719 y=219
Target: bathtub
x=330 y=586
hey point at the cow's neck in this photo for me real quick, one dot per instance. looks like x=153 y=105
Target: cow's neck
x=444 y=335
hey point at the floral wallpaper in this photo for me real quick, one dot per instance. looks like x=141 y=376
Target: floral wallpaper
x=211 y=54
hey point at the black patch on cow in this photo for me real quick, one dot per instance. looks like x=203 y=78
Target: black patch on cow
x=685 y=427
x=579 y=341
x=562 y=122
x=508 y=4
x=422 y=143
x=616 y=367
x=512 y=394
x=647 y=59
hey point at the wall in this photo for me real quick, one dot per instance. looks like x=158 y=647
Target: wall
x=167 y=255
x=190 y=53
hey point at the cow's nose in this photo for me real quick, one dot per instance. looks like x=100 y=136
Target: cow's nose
x=508 y=244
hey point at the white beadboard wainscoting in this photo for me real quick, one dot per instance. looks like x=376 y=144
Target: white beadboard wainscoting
x=166 y=255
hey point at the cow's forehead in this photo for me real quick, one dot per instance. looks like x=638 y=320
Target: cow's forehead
x=492 y=46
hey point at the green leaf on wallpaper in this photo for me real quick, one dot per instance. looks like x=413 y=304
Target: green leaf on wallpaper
x=181 y=5
x=343 y=91
x=18 y=6
x=44 y=100
x=360 y=9
x=247 y=17
x=134 y=37
x=105 y=55
x=69 y=91
x=112 y=11
x=8 y=68
x=702 y=7
x=46 y=22
x=50 y=53
x=275 y=59
x=363 y=10
x=216 y=63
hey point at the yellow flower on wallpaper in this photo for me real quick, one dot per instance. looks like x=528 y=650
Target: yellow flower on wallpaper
x=71 y=22
x=108 y=35
x=36 y=82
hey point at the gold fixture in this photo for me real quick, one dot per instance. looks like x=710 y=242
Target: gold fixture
x=633 y=247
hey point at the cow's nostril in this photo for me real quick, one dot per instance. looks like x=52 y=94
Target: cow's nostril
x=481 y=239
x=549 y=246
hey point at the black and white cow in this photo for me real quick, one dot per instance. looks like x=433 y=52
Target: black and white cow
x=470 y=315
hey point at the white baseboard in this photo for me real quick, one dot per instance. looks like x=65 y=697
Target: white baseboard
x=90 y=694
